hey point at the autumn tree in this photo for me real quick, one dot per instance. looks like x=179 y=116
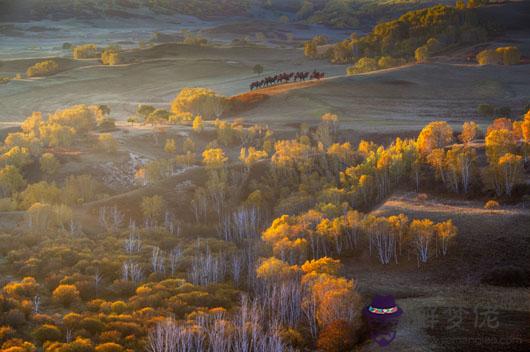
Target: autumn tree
x=336 y=298
x=40 y=217
x=338 y=336
x=251 y=155
x=459 y=168
x=214 y=158
x=421 y=54
x=310 y=49
x=470 y=132
x=507 y=173
x=49 y=164
x=82 y=118
x=363 y=65
x=498 y=143
x=152 y=209
x=40 y=192
x=437 y=134
x=65 y=295
x=422 y=232
x=197 y=125
x=199 y=101
x=275 y=269
x=79 y=189
x=11 y=180
x=445 y=231
x=16 y=156
x=324 y=265
x=170 y=146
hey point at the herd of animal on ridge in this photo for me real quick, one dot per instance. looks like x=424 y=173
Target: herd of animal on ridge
x=286 y=78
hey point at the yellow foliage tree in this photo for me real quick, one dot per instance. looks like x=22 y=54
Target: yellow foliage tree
x=470 y=131
x=170 y=146
x=214 y=158
x=11 y=180
x=16 y=156
x=437 y=134
x=324 y=265
x=66 y=295
x=199 y=101
x=197 y=125
x=498 y=143
x=275 y=269
x=445 y=231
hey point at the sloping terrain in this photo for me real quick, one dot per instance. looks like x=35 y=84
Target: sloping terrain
x=430 y=295
x=404 y=98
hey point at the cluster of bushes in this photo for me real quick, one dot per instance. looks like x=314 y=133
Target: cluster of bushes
x=508 y=55
x=43 y=68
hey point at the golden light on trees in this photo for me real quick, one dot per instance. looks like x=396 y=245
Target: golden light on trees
x=275 y=269
x=199 y=101
x=214 y=158
x=437 y=134
x=498 y=143
x=66 y=294
x=470 y=132
x=197 y=125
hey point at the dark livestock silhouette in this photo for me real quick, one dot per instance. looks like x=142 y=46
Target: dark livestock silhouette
x=286 y=77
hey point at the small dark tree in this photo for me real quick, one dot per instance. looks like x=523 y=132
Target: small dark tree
x=486 y=110
x=257 y=69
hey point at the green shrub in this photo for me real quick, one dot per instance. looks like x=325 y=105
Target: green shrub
x=486 y=110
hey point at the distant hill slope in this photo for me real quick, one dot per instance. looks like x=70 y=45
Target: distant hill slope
x=23 y=10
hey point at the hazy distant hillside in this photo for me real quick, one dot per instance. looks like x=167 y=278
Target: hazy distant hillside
x=20 y=10
x=335 y=13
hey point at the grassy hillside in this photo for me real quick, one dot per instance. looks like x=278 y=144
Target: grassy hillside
x=401 y=99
